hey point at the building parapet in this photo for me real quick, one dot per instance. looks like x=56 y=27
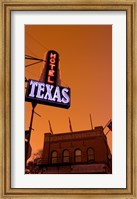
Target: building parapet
x=98 y=131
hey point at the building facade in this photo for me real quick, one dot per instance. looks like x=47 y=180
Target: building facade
x=76 y=152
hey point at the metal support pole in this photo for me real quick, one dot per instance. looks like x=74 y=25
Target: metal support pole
x=30 y=128
x=106 y=124
x=91 y=122
x=107 y=131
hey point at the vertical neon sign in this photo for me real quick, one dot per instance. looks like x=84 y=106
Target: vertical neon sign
x=52 y=60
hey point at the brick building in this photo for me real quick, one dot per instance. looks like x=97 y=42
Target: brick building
x=76 y=152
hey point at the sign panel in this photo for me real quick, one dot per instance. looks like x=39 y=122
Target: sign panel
x=52 y=60
x=48 y=94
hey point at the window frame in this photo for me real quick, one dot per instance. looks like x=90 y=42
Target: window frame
x=65 y=156
x=90 y=154
x=77 y=156
x=54 y=158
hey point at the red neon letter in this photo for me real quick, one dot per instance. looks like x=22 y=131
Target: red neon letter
x=49 y=80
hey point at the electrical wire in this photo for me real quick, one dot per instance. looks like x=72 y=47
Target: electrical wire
x=40 y=60
x=33 y=63
x=31 y=51
x=32 y=37
x=33 y=58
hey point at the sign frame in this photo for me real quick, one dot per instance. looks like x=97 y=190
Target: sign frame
x=5 y=161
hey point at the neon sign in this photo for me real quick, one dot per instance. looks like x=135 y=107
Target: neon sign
x=52 y=60
x=48 y=94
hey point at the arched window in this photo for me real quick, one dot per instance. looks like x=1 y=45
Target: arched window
x=54 y=157
x=66 y=157
x=78 y=155
x=90 y=155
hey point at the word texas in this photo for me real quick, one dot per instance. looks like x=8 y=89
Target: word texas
x=49 y=94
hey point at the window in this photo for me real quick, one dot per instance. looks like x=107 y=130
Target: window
x=54 y=157
x=78 y=155
x=90 y=155
x=66 y=157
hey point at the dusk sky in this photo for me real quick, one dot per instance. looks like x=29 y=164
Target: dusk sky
x=85 y=53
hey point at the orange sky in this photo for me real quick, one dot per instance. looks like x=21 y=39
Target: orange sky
x=86 y=67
